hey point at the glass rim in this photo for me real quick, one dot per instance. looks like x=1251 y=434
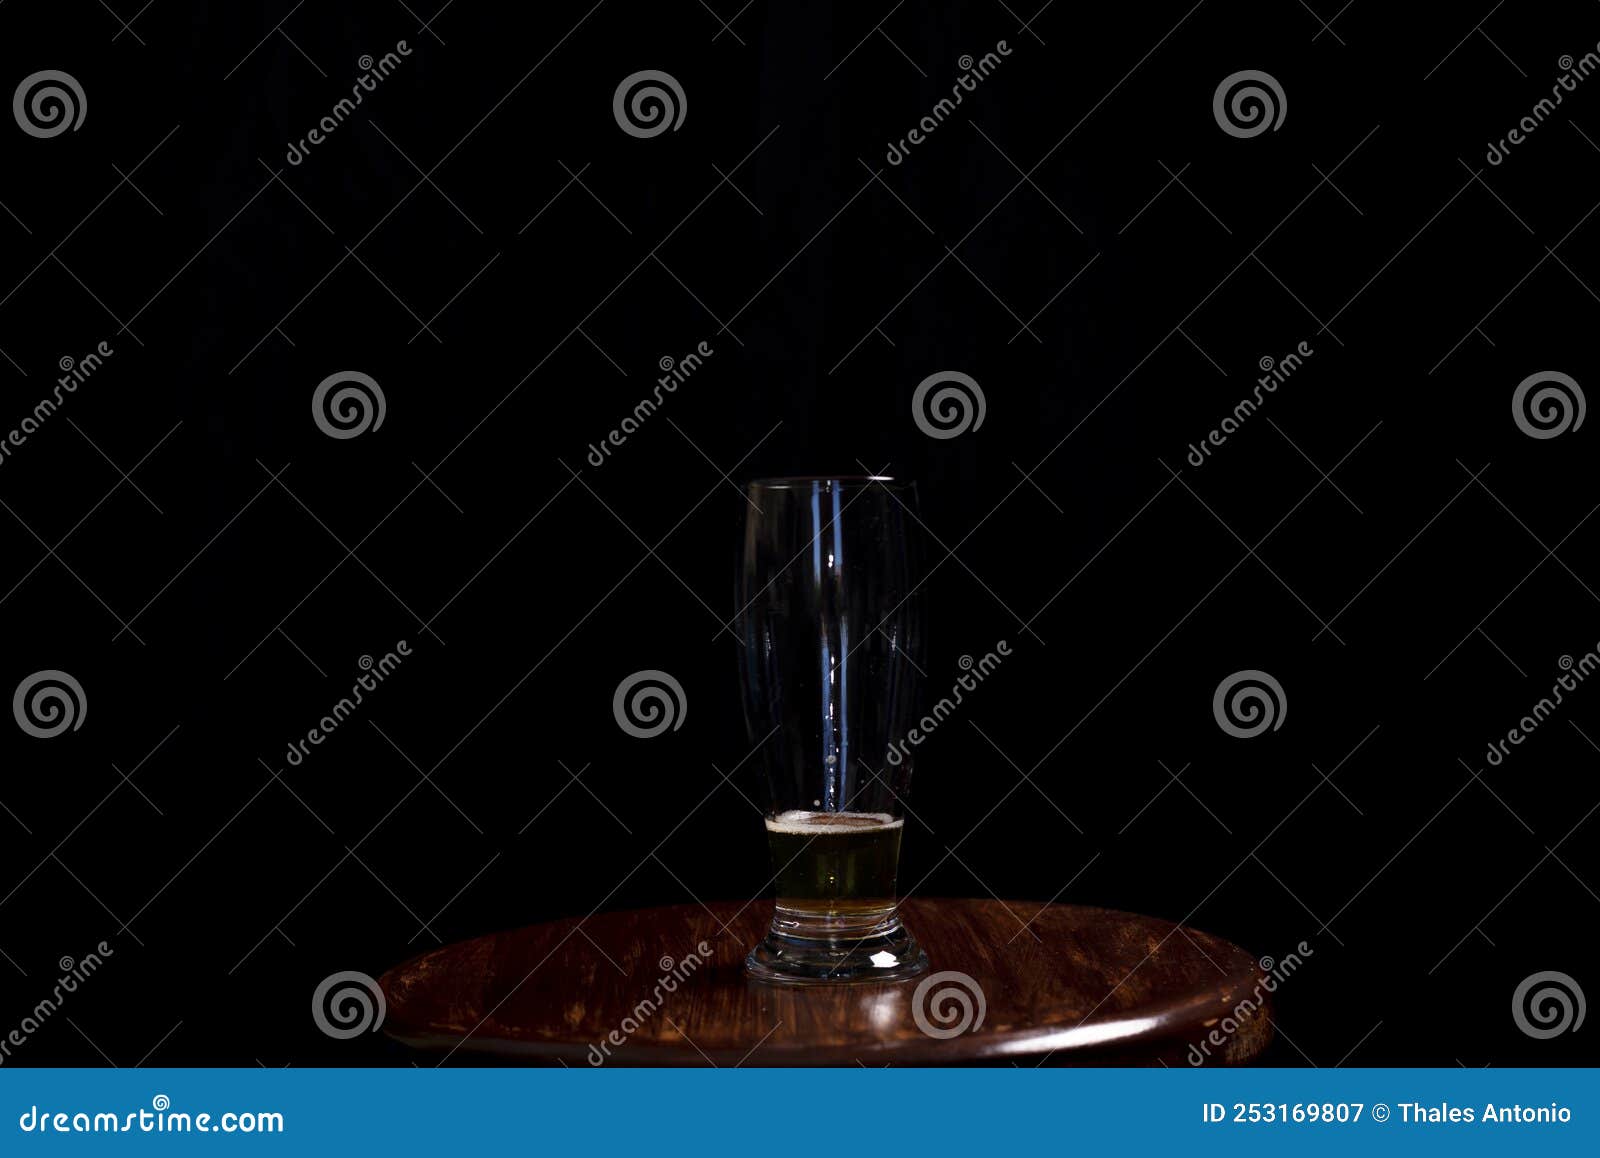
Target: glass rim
x=797 y=482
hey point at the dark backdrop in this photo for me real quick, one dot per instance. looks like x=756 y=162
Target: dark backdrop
x=1081 y=236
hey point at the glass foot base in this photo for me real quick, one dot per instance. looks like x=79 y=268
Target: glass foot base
x=887 y=954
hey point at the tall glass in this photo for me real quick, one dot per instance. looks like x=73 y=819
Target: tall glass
x=833 y=626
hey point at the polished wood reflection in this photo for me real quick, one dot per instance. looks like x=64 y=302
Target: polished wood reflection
x=1079 y=985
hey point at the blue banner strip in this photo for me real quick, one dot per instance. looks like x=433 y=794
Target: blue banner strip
x=700 y=1113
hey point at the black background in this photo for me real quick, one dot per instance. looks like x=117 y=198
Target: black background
x=828 y=283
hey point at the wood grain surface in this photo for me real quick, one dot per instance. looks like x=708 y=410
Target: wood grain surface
x=1065 y=983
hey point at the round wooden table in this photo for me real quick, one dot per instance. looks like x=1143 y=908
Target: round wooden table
x=1014 y=980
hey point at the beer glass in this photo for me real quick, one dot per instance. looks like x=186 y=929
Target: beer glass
x=832 y=625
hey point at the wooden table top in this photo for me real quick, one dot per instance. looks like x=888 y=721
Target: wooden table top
x=667 y=987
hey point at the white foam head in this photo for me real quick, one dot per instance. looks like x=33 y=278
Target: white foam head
x=801 y=822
